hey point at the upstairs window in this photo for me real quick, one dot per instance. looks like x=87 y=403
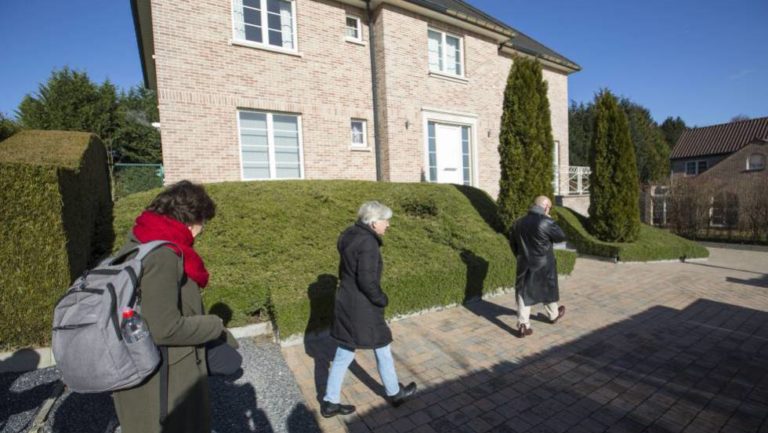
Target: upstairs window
x=445 y=53
x=354 y=30
x=692 y=168
x=266 y=22
x=756 y=162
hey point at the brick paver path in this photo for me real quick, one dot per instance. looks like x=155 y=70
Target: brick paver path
x=661 y=347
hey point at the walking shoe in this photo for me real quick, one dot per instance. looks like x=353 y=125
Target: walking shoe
x=560 y=314
x=328 y=409
x=523 y=331
x=404 y=394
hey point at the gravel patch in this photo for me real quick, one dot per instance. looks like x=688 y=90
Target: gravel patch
x=264 y=399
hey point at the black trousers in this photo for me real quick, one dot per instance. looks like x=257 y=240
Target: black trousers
x=223 y=359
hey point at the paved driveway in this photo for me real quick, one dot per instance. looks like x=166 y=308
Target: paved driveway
x=664 y=347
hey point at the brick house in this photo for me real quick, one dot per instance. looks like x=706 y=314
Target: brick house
x=392 y=90
x=726 y=165
x=700 y=149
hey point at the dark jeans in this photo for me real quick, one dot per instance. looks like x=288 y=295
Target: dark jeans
x=223 y=359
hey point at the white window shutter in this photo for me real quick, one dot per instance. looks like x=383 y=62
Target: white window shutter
x=286 y=23
x=238 y=19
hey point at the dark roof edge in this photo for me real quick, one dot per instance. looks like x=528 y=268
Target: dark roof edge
x=139 y=43
x=562 y=62
x=702 y=155
x=488 y=22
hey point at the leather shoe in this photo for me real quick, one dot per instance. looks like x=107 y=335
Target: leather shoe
x=523 y=331
x=560 y=314
x=328 y=409
x=404 y=394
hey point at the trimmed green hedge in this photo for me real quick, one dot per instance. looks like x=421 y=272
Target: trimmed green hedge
x=271 y=249
x=56 y=218
x=652 y=243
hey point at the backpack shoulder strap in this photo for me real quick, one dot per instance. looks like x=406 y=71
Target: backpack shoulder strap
x=146 y=248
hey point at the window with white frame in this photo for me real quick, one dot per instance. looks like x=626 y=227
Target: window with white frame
x=756 y=161
x=692 y=168
x=358 y=129
x=266 y=22
x=354 y=29
x=270 y=145
x=445 y=53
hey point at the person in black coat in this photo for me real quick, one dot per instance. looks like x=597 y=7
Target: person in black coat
x=359 y=310
x=531 y=239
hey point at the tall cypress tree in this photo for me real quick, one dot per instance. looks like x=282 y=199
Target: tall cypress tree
x=614 y=209
x=525 y=141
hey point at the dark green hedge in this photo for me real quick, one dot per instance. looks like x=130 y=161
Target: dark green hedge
x=652 y=243
x=272 y=252
x=130 y=179
x=56 y=219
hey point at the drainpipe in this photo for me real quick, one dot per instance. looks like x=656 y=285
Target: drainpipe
x=374 y=88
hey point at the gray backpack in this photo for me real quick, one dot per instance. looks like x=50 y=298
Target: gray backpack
x=87 y=343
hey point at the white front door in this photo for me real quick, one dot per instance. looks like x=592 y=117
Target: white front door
x=449 y=154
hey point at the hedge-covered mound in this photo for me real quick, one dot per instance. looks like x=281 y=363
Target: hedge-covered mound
x=271 y=249
x=651 y=244
x=56 y=220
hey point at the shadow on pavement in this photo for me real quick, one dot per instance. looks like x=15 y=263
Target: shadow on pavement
x=235 y=409
x=703 y=368
x=756 y=282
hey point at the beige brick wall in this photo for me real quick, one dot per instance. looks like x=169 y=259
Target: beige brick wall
x=409 y=88
x=732 y=171
x=203 y=80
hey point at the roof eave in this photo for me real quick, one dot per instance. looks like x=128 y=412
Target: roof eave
x=451 y=17
x=142 y=23
x=552 y=62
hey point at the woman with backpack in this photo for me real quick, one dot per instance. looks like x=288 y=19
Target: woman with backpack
x=173 y=310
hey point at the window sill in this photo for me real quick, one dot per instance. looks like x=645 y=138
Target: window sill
x=448 y=77
x=356 y=41
x=359 y=149
x=265 y=47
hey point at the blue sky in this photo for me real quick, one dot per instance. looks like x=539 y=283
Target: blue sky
x=703 y=60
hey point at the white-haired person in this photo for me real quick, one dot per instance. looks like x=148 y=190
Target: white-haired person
x=359 y=309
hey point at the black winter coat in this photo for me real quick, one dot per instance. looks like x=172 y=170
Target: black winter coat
x=531 y=239
x=358 y=321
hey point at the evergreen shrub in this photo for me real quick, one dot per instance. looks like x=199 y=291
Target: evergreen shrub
x=614 y=186
x=55 y=221
x=526 y=145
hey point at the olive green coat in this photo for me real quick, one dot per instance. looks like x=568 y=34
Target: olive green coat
x=178 y=321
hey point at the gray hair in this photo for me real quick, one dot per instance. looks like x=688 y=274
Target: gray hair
x=372 y=211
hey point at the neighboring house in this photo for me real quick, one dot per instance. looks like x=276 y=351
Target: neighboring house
x=732 y=179
x=726 y=165
x=392 y=90
x=700 y=149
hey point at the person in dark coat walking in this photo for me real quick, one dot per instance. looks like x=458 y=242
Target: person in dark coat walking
x=359 y=310
x=531 y=239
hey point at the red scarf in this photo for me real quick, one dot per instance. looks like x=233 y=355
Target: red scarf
x=151 y=226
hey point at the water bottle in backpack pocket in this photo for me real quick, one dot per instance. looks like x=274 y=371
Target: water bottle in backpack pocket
x=94 y=349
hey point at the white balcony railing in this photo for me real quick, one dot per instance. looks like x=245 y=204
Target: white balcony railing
x=578 y=180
